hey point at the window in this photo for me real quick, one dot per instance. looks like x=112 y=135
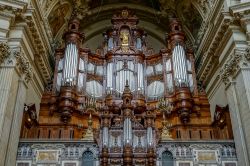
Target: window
x=88 y=158
x=167 y=159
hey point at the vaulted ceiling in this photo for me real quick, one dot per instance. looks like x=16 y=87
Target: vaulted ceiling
x=95 y=17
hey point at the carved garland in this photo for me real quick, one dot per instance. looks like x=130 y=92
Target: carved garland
x=232 y=66
x=4 y=51
x=23 y=66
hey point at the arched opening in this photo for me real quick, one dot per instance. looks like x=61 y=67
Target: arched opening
x=87 y=158
x=167 y=159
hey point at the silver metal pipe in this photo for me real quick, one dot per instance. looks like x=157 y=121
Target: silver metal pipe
x=69 y=61
x=76 y=63
x=73 y=67
x=65 y=64
x=178 y=62
x=184 y=66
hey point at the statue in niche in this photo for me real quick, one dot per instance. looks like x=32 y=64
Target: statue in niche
x=124 y=38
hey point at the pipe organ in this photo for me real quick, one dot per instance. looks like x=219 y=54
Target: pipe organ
x=136 y=98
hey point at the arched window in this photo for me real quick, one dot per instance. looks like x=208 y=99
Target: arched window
x=88 y=158
x=167 y=159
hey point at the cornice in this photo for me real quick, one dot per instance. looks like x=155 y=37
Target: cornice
x=211 y=47
x=41 y=50
x=207 y=26
x=13 y=5
x=243 y=7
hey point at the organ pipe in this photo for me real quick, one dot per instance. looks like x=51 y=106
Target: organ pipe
x=70 y=64
x=140 y=76
x=105 y=136
x=110 y=75
x=127 y=131
x=179 y=64
x=150 y=136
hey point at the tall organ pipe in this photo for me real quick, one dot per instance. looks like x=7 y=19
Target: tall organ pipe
x=140 y=76
x=105 y=136
x=110 y=75
x=179 y=64
x=70 y=64
x=127 y=131
x=150 y=136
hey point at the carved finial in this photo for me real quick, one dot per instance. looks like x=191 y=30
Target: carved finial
x=127 y=83
x=127 y=91
x=90 y=122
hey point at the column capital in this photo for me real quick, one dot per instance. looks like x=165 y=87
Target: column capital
x=15 y=58
x=239 y=59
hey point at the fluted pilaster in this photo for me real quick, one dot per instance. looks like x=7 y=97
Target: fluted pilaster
x=16 y=124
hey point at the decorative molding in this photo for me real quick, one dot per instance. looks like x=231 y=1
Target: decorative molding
x=23 y=66
x=208 y=60
x=40 y=50
x=4 y=51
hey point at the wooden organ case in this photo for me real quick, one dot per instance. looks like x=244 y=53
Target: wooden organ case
x=124 y=97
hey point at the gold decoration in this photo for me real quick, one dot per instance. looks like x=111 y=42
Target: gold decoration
x=89 y=136
x=124 y=36
x=166 y=135
x=124 y=13
x=47 y=156
x=206 y=156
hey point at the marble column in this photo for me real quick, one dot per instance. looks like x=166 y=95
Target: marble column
x=239 y=111
x=5 y=87
x=16 y=124
x=7 y=99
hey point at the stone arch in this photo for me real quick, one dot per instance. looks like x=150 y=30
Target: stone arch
x=88 y=158
x=167 y=158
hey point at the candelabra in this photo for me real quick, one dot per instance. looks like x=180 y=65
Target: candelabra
x=165 y=106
